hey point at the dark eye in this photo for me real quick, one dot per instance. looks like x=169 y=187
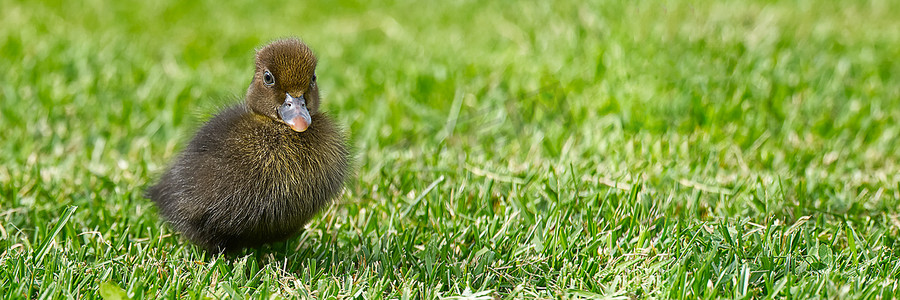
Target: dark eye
x=268 y=79
x=314 y=78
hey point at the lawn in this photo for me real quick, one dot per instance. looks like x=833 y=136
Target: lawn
x=528 y=149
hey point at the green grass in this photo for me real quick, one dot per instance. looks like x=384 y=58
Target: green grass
x=530 y=149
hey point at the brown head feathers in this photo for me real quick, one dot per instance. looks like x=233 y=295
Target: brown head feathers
x=291 y=62
x=284 y=68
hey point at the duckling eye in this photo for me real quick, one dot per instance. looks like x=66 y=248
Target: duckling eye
x=268 y=79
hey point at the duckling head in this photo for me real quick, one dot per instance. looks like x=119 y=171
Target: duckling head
x=284 y=85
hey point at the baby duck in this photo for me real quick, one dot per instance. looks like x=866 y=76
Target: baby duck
x=256 y=172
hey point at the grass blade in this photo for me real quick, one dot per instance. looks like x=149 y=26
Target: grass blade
x=56 y=229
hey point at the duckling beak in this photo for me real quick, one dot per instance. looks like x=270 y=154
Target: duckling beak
x=293 y=112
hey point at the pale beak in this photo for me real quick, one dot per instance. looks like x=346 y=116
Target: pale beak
x=293 y=112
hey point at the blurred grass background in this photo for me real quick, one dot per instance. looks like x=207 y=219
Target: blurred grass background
x=573 y=149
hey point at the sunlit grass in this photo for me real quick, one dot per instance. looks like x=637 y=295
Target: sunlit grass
x=532 y=149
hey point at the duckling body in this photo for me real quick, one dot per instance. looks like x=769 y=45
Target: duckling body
x=251 y=175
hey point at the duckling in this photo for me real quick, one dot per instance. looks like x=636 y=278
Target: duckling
x=256 y=172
